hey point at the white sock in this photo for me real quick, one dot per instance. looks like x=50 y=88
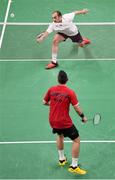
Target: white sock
x=74 y=162
x=61 y=154
x=54 y=57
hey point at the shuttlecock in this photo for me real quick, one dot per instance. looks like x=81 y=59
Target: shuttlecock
x=12 y=15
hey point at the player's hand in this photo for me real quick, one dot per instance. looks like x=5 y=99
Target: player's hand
x=39 y=39
x=84 y=119
x=84 y=11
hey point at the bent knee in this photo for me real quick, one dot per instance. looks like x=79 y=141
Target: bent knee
x=56 y=41
x=77 y=140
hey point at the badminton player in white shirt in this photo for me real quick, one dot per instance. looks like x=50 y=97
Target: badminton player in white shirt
x=64 y=28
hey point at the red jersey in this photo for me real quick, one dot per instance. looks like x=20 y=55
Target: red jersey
x=60 y=98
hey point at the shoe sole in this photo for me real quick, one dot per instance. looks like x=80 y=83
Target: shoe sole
x=63 y=164
x=85 y=44
x=51 y=67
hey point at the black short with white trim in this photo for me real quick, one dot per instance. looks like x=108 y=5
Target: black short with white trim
x=71 y=132
x=76 y=38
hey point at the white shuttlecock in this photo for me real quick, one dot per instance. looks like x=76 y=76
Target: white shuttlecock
x=12 y=15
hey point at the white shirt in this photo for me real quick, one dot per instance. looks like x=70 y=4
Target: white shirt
x=66 y=26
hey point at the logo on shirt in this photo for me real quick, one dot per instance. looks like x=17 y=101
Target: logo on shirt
x=59 y=25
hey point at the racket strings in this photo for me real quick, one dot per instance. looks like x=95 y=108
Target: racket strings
x=97 y=119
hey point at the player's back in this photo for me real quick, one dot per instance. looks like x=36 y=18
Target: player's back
x=60 y=99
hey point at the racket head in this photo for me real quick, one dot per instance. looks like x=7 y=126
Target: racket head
x=96 y=119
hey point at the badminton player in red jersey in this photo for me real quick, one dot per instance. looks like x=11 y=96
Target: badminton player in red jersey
x=59 y=98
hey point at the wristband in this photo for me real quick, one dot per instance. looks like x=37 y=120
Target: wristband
x=82 y=115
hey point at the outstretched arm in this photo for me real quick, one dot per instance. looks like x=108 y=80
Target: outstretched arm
x=83 y=11
x=42 y=37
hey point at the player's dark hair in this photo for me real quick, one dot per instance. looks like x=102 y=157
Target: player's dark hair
x=62 y=77
x=58 y=13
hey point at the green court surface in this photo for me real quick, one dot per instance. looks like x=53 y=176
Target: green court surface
x=0 y=29
x=24 y=118
x=26 y=47
x=40 y=11
x=27 y=145
x=19 y=41
x=3 y=6
x=23 y=162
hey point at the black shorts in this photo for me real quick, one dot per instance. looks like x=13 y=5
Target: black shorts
x=77 y=38
x=71 y=132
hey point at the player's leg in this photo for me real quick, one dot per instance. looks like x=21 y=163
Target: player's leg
x=80 y=40
x=75 y=148
x=75 y=152
x=73 y=134
x=55 y=45
x=60 y=147
x=74 y=167
x=84 y=42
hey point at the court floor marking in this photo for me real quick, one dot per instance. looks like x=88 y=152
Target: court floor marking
x=43 y=60
x=48 y=23
x=52 y=142
x=4 y=24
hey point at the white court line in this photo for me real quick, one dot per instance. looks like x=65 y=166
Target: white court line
x=4 y=24
x=58 y=179
x=43 y=60
x=47 y=23
x=52 y=142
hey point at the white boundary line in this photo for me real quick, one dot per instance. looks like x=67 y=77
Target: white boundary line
x=47 y=23
x=52 y=142
x=43 y=60
x=4 y=24
x=58 y=179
